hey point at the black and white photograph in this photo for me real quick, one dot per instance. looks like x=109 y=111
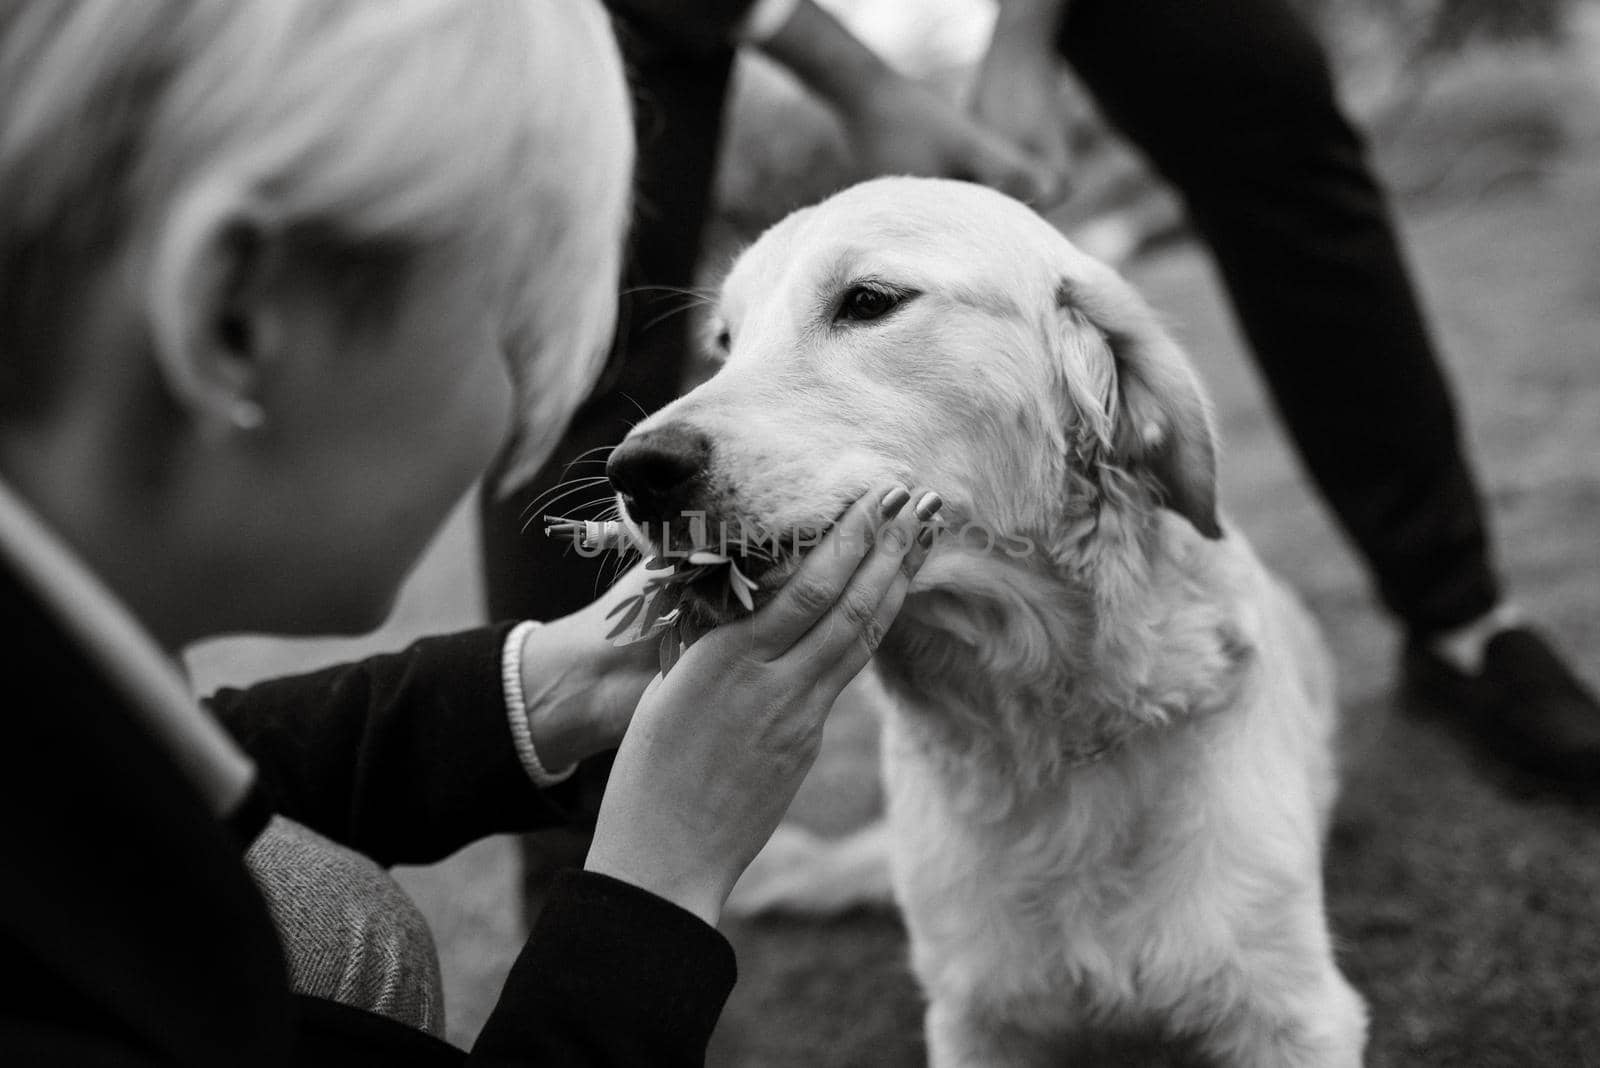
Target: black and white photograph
x=800 y=533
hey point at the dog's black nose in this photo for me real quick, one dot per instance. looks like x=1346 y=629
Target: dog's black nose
x=658 y=472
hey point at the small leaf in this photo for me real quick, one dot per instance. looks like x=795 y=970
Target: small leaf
x=742 y=592
x=670 y=650
x=624 y=603
x=686 y=575
x=627 y=620
x=707 y=558
x=663 y=602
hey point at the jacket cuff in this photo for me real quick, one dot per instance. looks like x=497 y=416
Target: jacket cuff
x=610 y=973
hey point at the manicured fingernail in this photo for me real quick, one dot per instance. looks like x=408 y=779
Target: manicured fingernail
x=925 y=539
x=929 y=506
x=893 y=501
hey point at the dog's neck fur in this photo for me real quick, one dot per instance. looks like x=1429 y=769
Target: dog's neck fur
x=1025 y=668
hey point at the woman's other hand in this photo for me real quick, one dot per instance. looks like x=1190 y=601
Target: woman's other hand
x=579 y=687
x=1017 y=93
x=718 y=748
x=903 y=128
x=893 y=124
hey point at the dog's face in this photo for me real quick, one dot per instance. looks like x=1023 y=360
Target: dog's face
x=928 y=332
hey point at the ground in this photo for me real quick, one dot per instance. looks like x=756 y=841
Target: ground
x=1463 y=915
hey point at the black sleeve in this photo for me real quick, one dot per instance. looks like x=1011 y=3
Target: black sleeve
x=404 y=757
x=693 y=28
x=611 y=975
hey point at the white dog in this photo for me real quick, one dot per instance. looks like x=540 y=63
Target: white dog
x=1108 y=752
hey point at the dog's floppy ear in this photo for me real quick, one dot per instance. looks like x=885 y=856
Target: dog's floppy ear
x=1161 y=419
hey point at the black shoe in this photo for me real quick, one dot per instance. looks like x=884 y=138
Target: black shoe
x=1525 y=711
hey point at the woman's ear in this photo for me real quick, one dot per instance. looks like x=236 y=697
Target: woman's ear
x=1161 y=419
x=213 y=327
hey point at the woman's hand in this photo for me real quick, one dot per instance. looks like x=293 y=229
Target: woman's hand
x=1017 y=94
x=718 y=748
x=901 y=127
x=894 y=125
x=579 y=687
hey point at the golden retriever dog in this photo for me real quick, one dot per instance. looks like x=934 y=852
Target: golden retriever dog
x=1108 y=737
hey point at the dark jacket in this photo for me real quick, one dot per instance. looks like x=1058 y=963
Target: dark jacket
x=686 y=28
x=130 y=932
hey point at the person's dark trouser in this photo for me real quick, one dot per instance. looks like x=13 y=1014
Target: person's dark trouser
x=679 y=101
x=1232 y=102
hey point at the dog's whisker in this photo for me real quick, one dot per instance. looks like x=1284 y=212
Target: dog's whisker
x=699 y=293
x=576 y=510
x=670 y=312
x=643 y=414
x=564 y=489
x=563 y=485
x=581 y=458
x=590 y=452
x=529 y=521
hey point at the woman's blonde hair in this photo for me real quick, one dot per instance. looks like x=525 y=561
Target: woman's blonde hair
x=498 y=127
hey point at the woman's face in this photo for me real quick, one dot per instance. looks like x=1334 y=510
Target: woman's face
x=377 y=423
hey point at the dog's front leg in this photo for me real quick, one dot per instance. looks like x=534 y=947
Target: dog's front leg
x=960 y=1037
x=1321 y=1023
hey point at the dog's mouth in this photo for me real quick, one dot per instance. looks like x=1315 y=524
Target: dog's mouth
x=702 y=572
x=725 y=574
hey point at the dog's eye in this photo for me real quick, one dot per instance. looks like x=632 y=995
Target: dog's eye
x=864 y=303
x=723 y=340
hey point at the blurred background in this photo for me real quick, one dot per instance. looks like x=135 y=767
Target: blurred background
x=1468 y=919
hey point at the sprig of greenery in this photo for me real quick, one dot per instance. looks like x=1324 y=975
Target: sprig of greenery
x=657 y=610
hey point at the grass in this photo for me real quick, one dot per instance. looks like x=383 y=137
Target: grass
x=1466 y=917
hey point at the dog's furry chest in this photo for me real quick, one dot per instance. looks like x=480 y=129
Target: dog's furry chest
x=1107 y=893
x=1052 y=904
